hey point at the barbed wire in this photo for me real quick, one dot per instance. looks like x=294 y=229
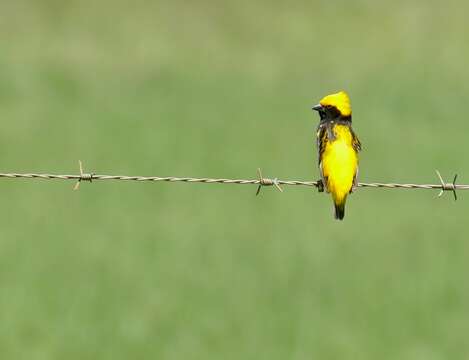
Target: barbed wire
x=260 y=181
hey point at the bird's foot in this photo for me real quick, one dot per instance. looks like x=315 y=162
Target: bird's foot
x=320 y=185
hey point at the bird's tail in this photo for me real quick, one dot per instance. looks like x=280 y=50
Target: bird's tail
x=339 y=207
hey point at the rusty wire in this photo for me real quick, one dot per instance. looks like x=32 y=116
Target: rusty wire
x=260 y=181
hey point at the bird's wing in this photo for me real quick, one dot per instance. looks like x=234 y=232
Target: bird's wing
x=321 y=139
x=355 y=181
x=357 y=147
x=355 y=142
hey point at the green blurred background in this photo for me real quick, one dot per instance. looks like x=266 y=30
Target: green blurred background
x=179 y=271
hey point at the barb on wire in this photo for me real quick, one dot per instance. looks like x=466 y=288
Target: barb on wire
x=260 y=181
x=266 y=182
x=83 y=176
x=447 y=186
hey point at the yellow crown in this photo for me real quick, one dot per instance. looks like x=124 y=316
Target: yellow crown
x=340 y=101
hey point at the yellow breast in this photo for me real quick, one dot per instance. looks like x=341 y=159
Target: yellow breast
x=339 y=162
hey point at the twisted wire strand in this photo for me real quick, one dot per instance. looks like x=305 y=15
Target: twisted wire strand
x=261 y=181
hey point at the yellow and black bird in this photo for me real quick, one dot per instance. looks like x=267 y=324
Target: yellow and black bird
x=338 y=148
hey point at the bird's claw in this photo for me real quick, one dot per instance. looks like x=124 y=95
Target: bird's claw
x=320 y=185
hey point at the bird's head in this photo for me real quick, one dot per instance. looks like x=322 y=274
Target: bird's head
x=334 y=106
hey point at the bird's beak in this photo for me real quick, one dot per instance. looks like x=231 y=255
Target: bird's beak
x=317 y=107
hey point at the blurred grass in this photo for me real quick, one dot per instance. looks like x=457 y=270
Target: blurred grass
x=173 y=271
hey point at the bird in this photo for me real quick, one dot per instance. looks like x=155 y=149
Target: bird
x=338 y=148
